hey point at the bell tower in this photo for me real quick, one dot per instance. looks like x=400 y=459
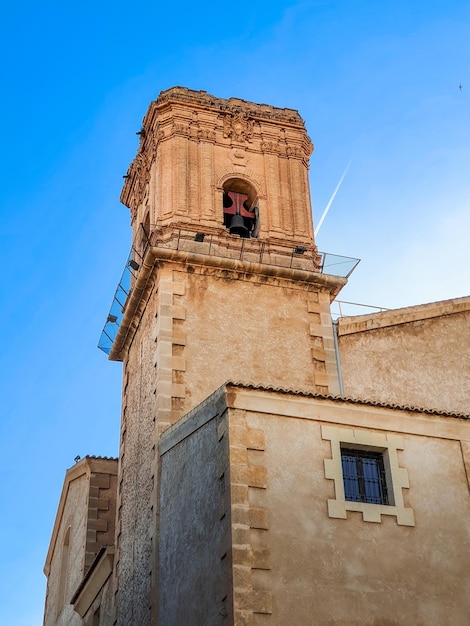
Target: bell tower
x=212 y=163
x=225 y=283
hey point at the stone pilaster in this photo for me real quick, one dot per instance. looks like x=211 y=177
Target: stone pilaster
x=169 y=360
x=101 y=514
x=170 y=365
x=249 y=520
x=322 y=343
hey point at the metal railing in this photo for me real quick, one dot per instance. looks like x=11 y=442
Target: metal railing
x=116 y=312
x=342 y=308
x=213 y=244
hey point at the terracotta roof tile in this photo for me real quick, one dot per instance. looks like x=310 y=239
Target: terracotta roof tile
x=312 y=394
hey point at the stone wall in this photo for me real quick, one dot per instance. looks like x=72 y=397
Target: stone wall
x=194 y=328
x=296 y=558
x=253 y=329
x=84 y=524
x=415 y=356
x=66 y=572
x=194 y=539
x=135 y=521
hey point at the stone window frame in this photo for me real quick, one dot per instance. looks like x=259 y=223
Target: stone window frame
x=397 y=477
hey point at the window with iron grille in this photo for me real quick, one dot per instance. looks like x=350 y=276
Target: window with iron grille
x=364 y=476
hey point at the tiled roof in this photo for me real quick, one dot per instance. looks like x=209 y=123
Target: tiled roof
x=387 y=405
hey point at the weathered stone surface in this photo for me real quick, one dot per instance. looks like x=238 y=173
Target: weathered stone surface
x=206 y=142
x=84 y=524
x=191 y=564
x=416 y=356
x=230 y=504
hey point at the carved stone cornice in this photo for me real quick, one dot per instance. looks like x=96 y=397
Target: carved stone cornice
x=179 y=128
x=282 y=148
x=206 y=134
x=231 y=106
x=192 y=130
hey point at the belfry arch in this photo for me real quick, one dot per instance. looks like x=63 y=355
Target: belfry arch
x=240 y=207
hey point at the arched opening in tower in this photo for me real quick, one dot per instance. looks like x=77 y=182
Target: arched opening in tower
x=240 y=211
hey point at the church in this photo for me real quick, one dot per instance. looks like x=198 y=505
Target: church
x=276 y=467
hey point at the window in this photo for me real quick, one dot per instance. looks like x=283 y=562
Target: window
x=364 y=476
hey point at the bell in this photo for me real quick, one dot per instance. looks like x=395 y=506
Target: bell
x=237 y=226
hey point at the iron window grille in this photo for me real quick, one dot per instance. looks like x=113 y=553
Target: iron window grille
x=364 y=476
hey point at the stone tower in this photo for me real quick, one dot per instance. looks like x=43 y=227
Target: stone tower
x=249 y=490
x=226 y=284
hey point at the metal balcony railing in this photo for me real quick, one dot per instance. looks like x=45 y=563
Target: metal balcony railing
x=342 y=308
x=191 y=240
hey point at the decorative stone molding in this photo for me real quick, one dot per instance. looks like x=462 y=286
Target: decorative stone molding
x=225 y=173
x=138 y=175
x=238 y=126
x=248 y=522
x=294 y=151
x=397 y=477
x=206 y=134
x=271 y=146
x=191 y=130
x=284 y=149
x=180 y=129
x=141 y=168
x=232 y=105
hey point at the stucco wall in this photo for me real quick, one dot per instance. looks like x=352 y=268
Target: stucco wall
x=193 y=556
x=228 y=338
x=348 y=571
x=414 y=356
x=292 y=562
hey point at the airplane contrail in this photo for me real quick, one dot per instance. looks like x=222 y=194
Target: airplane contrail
x=330 y=202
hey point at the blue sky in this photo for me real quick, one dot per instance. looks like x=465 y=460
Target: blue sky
x=376 y=82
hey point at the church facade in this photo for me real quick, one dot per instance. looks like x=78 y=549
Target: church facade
x=274 y=467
